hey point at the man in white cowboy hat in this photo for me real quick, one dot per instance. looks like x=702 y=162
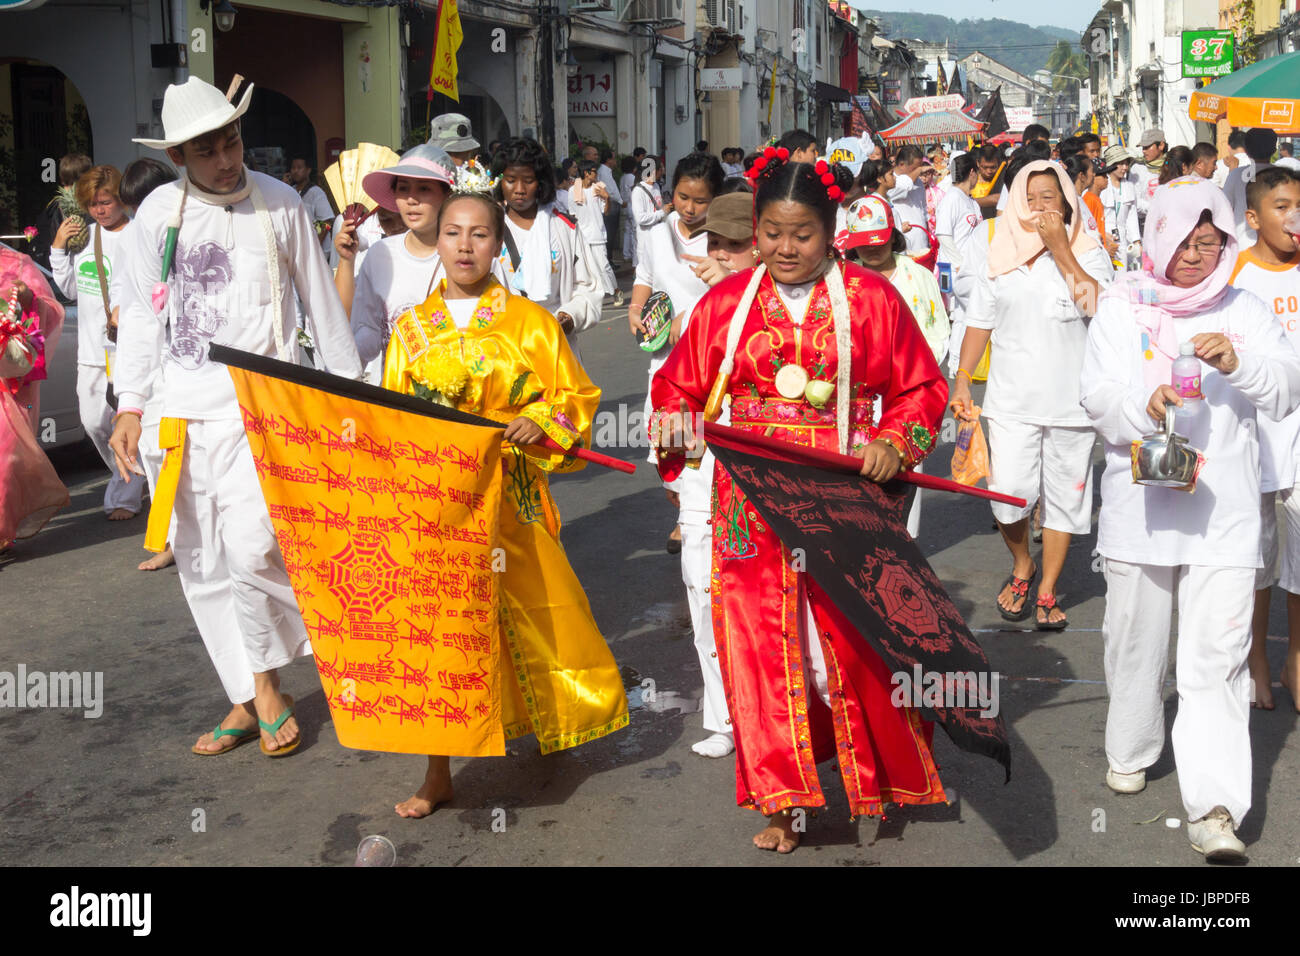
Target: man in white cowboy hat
x=453 y=133
x=243 y=244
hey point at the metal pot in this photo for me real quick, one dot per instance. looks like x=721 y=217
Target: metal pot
x=1163 y=459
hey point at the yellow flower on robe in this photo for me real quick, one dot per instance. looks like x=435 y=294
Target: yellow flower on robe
x=517 y=362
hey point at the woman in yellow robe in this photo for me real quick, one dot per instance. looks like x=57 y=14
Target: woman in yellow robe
x=474 y=346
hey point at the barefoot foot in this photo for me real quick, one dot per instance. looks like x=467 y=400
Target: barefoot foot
x=1261 y=680
x=425 y=801
x=159 y=561
x=778 y=835
x=1291 y=678
x=121 y=514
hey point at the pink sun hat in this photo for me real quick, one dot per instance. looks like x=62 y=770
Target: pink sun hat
x=419 y=162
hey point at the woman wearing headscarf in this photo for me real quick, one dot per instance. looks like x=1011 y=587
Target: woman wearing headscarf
x=1157 y=540
x=30 y=490
x=1037 y=280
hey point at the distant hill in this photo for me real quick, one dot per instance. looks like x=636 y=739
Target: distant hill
x=1019 y=46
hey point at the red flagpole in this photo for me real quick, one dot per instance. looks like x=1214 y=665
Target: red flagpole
x=729 y=437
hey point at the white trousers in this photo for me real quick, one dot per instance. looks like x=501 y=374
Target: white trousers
x=604 y=270
x=97 y=419
x=695 y=489
x=1050 y=462
x=229 y=560
x=1287 y=574
x=957 y=317
x=914 y=512
x=1211 y=734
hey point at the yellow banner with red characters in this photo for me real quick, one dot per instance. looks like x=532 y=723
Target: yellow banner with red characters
x=387 y=521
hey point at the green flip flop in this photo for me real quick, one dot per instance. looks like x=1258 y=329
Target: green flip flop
x=241 y=737
x=274 y=728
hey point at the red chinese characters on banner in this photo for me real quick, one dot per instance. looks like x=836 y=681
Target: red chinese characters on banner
x=391 y=546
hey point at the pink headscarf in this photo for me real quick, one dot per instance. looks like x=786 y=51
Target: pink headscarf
x=1155 y=302
x=1016 y=239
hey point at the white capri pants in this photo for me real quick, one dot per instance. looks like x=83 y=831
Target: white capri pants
x=1051 y=462
x=229 y=560
x=1211 y=734
x=1288 y=573
x=97 y=419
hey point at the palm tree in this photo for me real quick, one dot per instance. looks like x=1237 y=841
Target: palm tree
x=1065 y=63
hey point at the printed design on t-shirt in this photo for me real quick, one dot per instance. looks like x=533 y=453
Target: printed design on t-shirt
x=88 y=276
x=206 y=278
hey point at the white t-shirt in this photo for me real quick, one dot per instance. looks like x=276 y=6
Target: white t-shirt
x=462 y=310
x=390 y=280
x=1290 y=162
x=588 y=214
x=319 y=210
x=1234 y=189
x=221 y=292
x=955 y=221
x=908 y=200
x=606 y=175
x=1279 y=288
x=1038 y=335
x=78 y=278
x=1218 y=525
x=1120 y=204
x=732 y=169
x=660 y=266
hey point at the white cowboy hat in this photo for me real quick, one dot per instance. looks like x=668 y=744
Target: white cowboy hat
x=193 y=108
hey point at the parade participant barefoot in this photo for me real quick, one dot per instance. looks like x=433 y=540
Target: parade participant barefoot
x=163 y=559
x=470 y=313
x=436 y=789
x=779 y=835
x=779 y=640
x=121 y=514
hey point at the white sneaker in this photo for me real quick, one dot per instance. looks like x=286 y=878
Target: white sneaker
x=1213 y=835
x=1126 y=782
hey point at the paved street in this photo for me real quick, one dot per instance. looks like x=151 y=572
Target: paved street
x=125 y=789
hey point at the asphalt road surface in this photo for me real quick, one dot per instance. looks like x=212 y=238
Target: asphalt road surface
x=123 y=787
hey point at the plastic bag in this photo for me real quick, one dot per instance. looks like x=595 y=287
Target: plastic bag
x=970 y=460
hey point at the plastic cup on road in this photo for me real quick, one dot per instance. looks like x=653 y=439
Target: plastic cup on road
x=376 y=851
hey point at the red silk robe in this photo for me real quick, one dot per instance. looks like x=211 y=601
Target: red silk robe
x=782 y=728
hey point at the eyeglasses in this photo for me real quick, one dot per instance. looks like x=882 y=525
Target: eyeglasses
x=1206 y=247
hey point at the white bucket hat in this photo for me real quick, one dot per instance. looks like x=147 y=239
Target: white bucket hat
x=193 y=108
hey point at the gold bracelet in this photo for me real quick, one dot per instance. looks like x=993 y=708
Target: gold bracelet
x=902 y=455
x=962 y=371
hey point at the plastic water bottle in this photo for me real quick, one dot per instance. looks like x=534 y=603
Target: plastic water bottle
x=1186 y=381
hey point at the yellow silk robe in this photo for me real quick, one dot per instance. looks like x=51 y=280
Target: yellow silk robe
x=513 y=360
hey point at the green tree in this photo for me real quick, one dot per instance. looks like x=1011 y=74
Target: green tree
x=1065 y=62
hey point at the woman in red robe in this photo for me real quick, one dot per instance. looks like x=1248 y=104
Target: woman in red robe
x=802 y=686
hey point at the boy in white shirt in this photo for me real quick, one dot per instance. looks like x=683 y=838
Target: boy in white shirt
x=1271 y=270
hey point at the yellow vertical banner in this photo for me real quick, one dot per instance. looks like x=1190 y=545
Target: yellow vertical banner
x=388 y=524
x=447 y=39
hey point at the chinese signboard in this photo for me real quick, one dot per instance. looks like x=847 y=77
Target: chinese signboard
x=591 y=91
x=1207 y=52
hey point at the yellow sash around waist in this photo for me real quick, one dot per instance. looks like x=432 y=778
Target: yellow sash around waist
x=171 y=440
